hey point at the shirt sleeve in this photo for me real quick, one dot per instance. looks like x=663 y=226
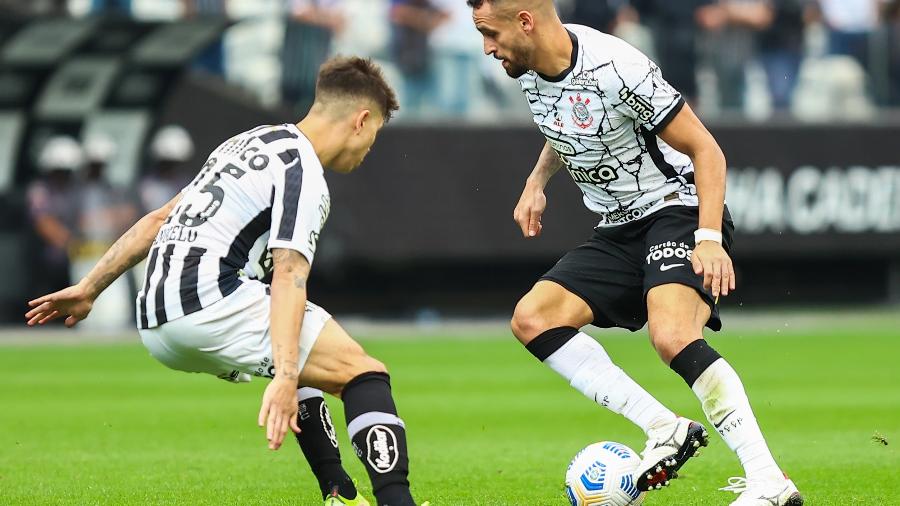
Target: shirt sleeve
x=300 y=207
x=641 y=93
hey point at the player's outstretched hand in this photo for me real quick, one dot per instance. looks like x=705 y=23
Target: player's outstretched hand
x=529 y=210
x=711 y=260
x=74 y=303
x=279 y=410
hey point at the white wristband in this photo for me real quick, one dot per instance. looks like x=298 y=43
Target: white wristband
x=707 y=234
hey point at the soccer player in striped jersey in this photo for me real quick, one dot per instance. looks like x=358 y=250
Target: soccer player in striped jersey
x=225 y=286
x=660 y=253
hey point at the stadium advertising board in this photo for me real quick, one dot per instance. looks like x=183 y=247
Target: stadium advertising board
x=792 y=189
x=448 y=192
x=814 y=200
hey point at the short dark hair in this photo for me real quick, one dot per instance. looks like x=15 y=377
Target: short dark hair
x=475 y=4
x=357 y=77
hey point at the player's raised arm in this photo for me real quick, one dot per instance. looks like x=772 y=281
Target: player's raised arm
x=279 y=405
x=687 y=134
x=75 y=302
x=533 y=201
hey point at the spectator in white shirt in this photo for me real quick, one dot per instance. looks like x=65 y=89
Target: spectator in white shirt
x=850 y=24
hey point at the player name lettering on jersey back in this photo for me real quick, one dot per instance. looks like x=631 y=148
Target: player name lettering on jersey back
x=179 y=233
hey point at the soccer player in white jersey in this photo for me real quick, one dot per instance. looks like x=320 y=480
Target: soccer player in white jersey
x=225 y=287
x=656 y=177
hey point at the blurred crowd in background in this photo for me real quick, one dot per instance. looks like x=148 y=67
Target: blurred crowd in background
x=748 y=60
x=77 y=214
x=815 y=60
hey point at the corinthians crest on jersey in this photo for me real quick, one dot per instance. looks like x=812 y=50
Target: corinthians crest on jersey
x=603 y=116
x=581 y=115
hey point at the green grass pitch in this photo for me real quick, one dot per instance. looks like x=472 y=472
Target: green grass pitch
x=488 y=425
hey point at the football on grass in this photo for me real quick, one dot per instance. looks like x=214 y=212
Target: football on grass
x=602 y=475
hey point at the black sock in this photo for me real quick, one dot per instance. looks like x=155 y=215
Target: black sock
x=319 y=444
x=693 y=360
x=379 y=437
x=549 y=341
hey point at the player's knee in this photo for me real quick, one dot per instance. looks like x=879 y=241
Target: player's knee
x=528 y=321
x=356 y=366
x=374 y=365
x=361 y=365
x=669 y=338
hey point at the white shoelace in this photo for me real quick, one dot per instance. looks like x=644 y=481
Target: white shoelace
x=736 y=484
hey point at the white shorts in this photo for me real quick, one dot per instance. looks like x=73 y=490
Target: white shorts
x=230 y=339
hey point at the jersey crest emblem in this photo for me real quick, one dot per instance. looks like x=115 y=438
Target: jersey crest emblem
x=580 y=112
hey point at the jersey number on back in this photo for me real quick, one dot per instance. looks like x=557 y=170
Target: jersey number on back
x=189 y=214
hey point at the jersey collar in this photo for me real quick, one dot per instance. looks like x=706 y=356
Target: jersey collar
x=564 y=73
x=305 y=145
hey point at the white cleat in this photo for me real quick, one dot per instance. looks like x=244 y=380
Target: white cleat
x=779 y=492
x=668 y=448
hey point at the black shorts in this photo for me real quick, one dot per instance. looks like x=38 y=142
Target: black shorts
x=618 y=265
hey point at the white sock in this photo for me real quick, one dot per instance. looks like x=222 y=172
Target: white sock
x=588 y=368
x=727 y=407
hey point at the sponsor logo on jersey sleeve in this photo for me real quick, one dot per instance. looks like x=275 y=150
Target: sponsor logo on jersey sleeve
x=638 y=104
x=324 y=209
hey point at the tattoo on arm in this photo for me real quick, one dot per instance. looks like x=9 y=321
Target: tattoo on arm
x=282 y=257
x=290 y=267
x=287 y=260
x=117 y=259
x=285 y=366
x=102 y=283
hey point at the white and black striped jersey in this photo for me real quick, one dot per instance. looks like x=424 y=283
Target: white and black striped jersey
x=602 y=116
x=259 y=190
